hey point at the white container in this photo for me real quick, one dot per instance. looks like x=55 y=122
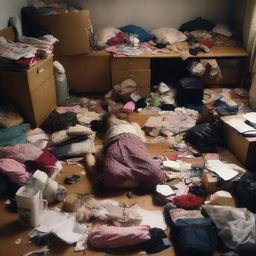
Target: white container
x=30 y=204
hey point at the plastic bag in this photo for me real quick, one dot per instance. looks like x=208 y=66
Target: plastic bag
x=205 y=137
x=246 y=192
x=237 y=226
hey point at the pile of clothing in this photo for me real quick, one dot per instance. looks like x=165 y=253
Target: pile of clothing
x=193 y=37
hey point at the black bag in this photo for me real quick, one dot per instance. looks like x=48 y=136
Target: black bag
x=190 y=91
x=246 y=192
x=205 y=137
x=194 y=237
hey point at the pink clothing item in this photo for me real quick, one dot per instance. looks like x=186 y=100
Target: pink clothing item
x=14 y=170
x=182 y=189
x=21 y=152
x=126 y=158
x=114 y=237
x=120 y=38
x=129 y=107
x=113 y=50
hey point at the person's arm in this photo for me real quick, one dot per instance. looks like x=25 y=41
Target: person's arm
x=139 y=131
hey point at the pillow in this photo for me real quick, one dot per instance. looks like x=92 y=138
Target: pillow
x=79 y=130
x=222 y=29
x=58 y=137
x=168 y=35
x=143 y=35
x=75 y=149
x=104 y=34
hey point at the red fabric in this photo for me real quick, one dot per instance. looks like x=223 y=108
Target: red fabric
x=27 y=63
x=188 y=202
x=206 y=42
x=45 y=163
x=120 y=38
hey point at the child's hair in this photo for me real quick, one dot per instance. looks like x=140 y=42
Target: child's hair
x=104 y=124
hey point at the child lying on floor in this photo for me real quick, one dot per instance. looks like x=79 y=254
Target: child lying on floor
x=125 y=162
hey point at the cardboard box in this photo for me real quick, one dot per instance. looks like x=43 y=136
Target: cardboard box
x=244 y=148
x=231 y=71
x=72 y=29
x=87 y=73
x=211 y=186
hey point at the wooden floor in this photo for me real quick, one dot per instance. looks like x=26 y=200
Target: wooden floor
x=10 y=229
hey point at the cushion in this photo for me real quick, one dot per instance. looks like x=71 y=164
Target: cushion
x=58 y=137
x=104 y=34
x=222 y=29
x=143 y=35
x=79 y=130
x=168 y=35
x=75 y=149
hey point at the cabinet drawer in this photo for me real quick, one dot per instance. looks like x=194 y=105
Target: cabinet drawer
x=130 y=63
x=141 y=77
x=43 y=100
x=40 y=73
x=144 y=91
x=87 y=73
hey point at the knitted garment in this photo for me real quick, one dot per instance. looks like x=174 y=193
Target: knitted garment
x=189 y=201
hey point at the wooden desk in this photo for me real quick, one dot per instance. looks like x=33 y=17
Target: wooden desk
x=138 y=67
x=215 y=52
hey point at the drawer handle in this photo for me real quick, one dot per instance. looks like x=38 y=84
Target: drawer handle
x=131 y=75
x=40 y=70
x=131 y=63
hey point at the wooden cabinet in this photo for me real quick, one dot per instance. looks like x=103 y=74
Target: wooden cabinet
x=88 y=73
x=137 y=69
x=32 y=91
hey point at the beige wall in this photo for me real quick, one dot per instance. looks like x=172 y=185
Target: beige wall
x=152 y=14
x=9 y=8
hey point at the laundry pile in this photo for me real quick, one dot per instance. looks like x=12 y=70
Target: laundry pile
x=195 y=179
x=193 y=37
x=25 y=53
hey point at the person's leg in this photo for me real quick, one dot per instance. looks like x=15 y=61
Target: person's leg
x=90 y=163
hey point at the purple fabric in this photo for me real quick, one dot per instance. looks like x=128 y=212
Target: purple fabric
x=21 y=152
x=14 y=170
x=114 y=237
x=126 y=158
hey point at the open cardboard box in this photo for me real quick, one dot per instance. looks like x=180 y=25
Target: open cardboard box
x=244 y=148
x=72 y=30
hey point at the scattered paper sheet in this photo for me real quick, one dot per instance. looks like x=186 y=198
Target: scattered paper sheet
x=155 y=219
x=165 y=190
x=241 y=126
x=222 y=170
x=63 y=225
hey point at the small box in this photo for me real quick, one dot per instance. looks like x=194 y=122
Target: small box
x=244 y=148
x=211 y=186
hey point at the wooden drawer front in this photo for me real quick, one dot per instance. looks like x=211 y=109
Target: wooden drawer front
x=130 y=63
x=141 y=77
x=87 y=73
x=144 y=91
x=39 y=74
x=43 y=100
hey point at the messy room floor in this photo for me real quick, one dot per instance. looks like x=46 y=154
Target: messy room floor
x=11 y=230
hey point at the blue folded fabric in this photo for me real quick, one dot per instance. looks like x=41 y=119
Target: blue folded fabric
x=143 y=35
x=14 y=135
x=224 y=109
